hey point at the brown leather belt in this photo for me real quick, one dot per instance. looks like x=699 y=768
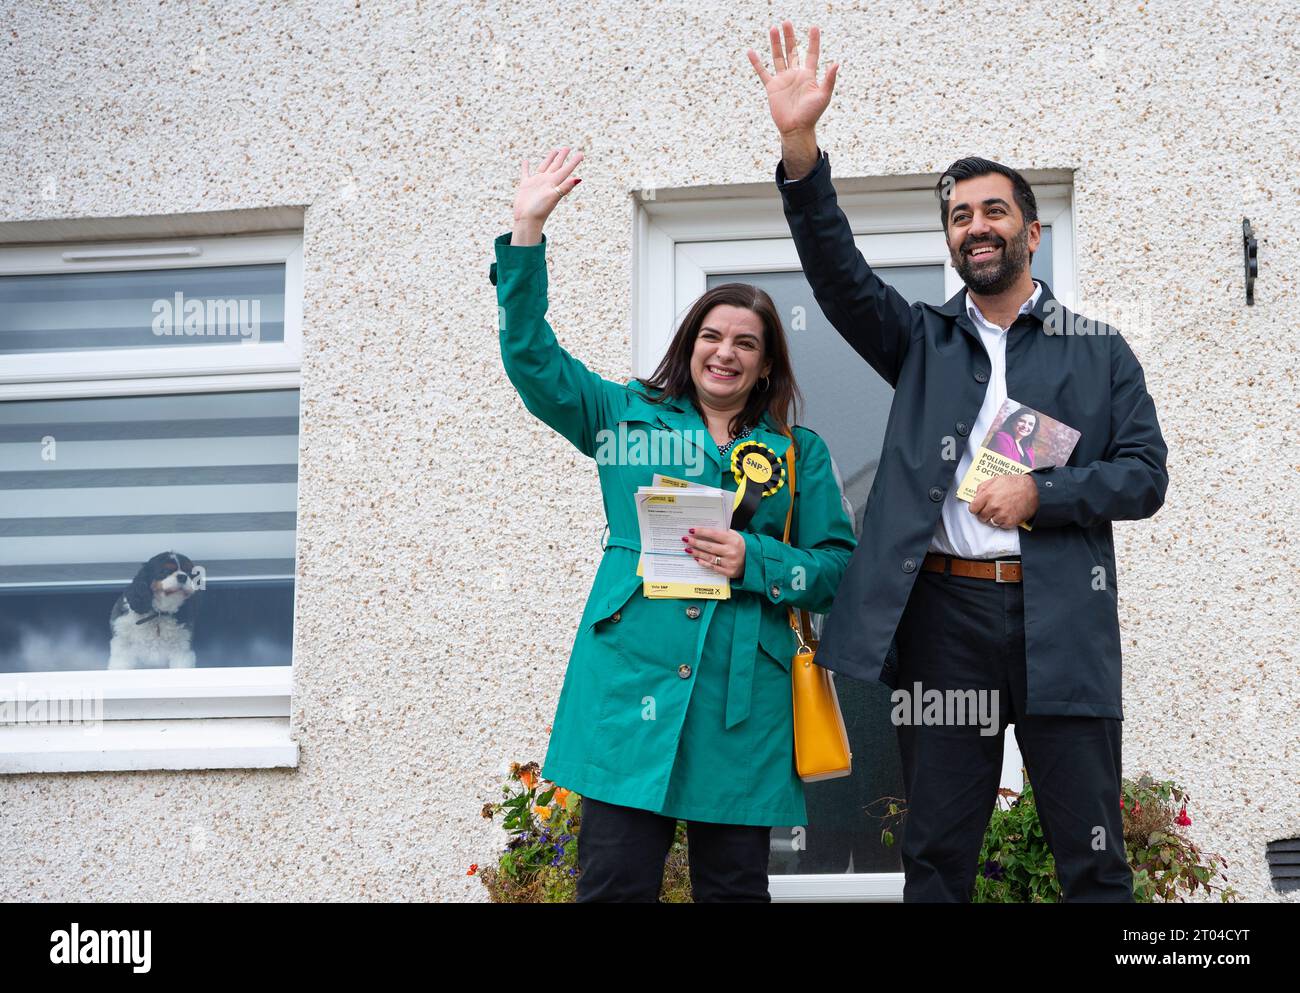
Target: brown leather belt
x=998 y=570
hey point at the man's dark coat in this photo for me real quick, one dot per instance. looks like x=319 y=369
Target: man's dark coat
x=934 y=359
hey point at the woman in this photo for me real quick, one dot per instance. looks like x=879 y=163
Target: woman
x=1015 y=439
x=678 y=708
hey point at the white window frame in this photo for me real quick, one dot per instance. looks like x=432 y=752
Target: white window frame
x=201 y=718
x=218 y=358
x=682 y=239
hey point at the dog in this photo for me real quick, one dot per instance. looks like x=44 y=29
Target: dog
x=152 y=622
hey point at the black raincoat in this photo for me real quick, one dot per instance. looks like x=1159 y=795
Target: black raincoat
x=1086 y=376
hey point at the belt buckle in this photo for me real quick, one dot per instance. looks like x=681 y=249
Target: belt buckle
x=997 y=571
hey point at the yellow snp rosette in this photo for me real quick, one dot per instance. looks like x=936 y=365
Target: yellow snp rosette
x=758 y=471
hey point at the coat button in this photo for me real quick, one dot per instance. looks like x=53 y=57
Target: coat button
x=616 y=616
x=692 y=611
x=909 y=565
x=936 y=494
x=684 y=671
x=775 y=591
x=1048 y=483
x=963 y=428
x=981 y=376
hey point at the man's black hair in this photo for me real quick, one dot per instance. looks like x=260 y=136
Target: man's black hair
x=973 y=166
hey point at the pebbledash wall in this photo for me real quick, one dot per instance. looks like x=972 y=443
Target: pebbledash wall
x=438 y=584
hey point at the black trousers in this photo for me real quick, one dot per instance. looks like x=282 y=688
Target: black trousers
x=959 y=633
x=621 y=853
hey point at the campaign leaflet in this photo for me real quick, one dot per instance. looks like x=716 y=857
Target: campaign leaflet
x=1021 y=439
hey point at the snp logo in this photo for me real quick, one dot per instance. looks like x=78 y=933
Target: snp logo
x=77 y=947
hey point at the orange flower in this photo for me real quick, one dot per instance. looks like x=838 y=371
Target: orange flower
x=527 y=775
x=543 y=812
x=561 y=794
x=472 y=869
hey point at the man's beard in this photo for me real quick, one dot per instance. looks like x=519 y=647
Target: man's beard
x=988 y=280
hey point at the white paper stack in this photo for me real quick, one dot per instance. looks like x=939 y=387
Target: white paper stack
x=665 y=512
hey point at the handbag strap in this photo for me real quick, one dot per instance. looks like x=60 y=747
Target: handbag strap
x=803 y=625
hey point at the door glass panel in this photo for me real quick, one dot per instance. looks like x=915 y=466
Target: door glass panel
x=1040 y=267
x=846 y=403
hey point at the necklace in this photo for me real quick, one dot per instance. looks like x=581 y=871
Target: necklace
x=723 y=449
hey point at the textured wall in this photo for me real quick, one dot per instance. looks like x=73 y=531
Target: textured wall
x=422 y=663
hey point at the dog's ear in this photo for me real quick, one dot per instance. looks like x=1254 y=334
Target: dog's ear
x=140 y=593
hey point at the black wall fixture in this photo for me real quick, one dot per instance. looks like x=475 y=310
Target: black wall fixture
x=1252 y=261
x=1284 y=863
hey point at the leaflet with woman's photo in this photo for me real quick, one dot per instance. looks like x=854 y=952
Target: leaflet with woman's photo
x=1020 y=439
x=664 y=514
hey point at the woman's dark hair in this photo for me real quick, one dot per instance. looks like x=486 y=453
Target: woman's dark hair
x=1009 y=425
x=781 y=399
x=972 y=166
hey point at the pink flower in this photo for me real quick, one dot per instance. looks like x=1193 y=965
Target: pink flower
x=1182 y=820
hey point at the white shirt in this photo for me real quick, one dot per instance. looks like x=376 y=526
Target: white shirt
x=960 y=532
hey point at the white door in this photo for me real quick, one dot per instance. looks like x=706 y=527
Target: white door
x=838 y=855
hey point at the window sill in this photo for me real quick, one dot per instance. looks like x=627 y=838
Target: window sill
x=149 y=694
x=116 y=746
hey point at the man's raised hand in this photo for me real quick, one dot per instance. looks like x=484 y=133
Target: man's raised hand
x=794 y=96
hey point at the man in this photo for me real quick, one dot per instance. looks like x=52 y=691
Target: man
x=1027 y=620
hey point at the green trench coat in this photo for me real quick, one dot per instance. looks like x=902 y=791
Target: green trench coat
x=682 y=707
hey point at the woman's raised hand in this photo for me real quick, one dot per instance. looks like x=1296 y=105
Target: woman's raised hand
x=794 y=96
x=540 y=191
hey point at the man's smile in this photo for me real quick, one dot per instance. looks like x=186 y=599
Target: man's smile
x=982 y=251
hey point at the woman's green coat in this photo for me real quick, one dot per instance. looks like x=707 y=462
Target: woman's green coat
x=682 y=707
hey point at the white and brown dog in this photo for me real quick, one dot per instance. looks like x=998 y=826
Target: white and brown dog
x=153 y=621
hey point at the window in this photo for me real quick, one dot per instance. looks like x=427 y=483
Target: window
x=206 y=306
x=148 y=494
x=688 y=244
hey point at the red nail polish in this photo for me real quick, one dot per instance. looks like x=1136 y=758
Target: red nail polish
x=692 y=530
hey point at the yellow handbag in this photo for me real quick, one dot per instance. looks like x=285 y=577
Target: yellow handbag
x=821 y=742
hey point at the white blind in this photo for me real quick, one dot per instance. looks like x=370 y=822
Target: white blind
x=213 y=476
